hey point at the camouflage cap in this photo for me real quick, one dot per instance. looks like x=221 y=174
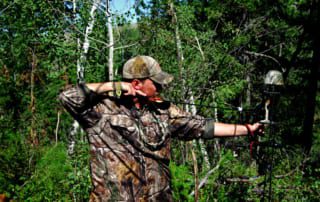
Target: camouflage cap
x=141 y=67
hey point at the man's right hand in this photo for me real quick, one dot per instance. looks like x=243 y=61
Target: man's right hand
x=130 y=90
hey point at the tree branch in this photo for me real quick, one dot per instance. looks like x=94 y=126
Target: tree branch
x=206 y=177
x=263 y=55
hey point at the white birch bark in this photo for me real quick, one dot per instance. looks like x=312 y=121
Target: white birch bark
x=86 y=43
x=180 y=64
x=180 y=57
x=181 y=69
x=111 y=41
x=72 y=136
x=201 y=143
x=204 y=180
x=216 y=145
x=178 y=41
x=193 y=108
x=80 y=66
x=57 y=126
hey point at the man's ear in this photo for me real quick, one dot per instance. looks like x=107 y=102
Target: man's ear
x=136 y=84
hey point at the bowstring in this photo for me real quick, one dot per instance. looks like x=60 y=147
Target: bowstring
x=267 y=175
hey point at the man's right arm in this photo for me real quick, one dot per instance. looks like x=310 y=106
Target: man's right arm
x=101 y=88
x=83 y=96
x=79 y=102
x=81 y=99
x=112 y=87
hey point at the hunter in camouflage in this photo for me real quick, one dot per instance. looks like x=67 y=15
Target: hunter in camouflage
x=130 y=132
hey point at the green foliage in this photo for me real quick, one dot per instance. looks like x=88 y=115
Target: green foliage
x=223 y=44
x=48 y=180
x=16 y=161
x=57 y=177
x=182 y=183
x=79 y=180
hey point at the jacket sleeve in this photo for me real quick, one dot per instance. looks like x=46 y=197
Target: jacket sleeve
x=186 y=126
x=81 y=103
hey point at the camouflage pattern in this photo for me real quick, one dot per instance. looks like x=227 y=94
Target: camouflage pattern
x=141 y=67
x=129 y=147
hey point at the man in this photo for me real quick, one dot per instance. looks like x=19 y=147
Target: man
x=130 y=129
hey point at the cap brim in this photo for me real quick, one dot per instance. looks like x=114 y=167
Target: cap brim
x=162 y=78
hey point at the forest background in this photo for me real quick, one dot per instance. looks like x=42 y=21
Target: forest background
x=219 y=52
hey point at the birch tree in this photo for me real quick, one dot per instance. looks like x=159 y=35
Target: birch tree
x=86 y=42
x=193 y=109
x=111 y=41
x=80 y=65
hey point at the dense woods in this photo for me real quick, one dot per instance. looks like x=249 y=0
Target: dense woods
x=219 y=53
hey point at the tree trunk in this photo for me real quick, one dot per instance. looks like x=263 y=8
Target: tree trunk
x=86 y=43
x=57 y=126
x=178 y=41
x=111 y=42
x=180 y=59
x=193 y=109
x=33 y=132
x=313 y=79
x=80 y=66
x=201 y=143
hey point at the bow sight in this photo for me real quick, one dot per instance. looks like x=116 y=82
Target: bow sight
x=273 y=84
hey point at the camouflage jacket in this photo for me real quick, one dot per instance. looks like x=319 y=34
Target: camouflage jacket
x=129 y=147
